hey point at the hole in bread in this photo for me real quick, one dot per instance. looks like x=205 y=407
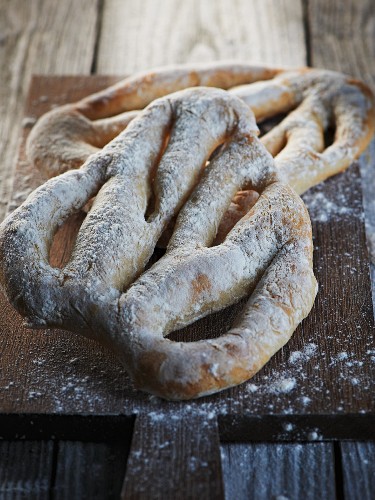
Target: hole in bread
x=158 y=254
x=210 y=327
x=64 y=240
x=242 y=202
x=269 y=123
x=329 y=136
x=163 y=241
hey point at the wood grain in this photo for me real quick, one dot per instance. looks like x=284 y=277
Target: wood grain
x=158 y=32
x=26 y=470
x=37 y=36
x=342 y=38
x=181 y=455
x=89 y=471
x=260 y=471
x=342 y=34
x=358 y=462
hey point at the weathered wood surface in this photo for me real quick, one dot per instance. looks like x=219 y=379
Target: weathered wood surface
x=88 y=471
x=59 y=373
x=26 y=469
x=340 y=32
x=64 y=470
x=260 y=471
x=37 y=36
x=358 y=465
x=342 y=38
x=199 y=31
x=180 y=454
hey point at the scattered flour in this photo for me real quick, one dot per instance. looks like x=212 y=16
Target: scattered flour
x=322 y=209
x=342 y=355
x=313 y=436
x=196 y=462
x=306 y=354
x=35 y=394
x=288 y=426
x=283 y=385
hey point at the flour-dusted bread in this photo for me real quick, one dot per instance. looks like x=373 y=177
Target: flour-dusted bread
x=313 y=99
x=103 y=291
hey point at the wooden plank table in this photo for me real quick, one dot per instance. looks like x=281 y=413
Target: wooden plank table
x=118 y=37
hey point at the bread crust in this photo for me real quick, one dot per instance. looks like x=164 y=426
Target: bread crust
x=314 y=100
x=103 y=293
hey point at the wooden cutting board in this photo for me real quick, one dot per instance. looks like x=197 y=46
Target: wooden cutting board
x=319 y=386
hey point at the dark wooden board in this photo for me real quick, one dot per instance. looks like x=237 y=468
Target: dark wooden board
x=358 y=468
x=89 y=471
x=26 y=470
x=68 y=469
x=62 y=470
x=180 y=457
x=317 y=387
x=276 y=470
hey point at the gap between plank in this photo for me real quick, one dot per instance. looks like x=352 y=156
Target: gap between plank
x=55 y=456
x=98 y=32
x=306 y=30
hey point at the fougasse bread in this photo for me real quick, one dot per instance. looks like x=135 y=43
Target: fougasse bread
x=241 y=230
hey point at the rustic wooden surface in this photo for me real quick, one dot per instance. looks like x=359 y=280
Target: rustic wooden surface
x=179 y=458
x=341 y=36
x=358 y=470
x=37 y=36
x=68 y=37
x=88 y=470
x=197 y=30
x=287 y=463
x=26 y=469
